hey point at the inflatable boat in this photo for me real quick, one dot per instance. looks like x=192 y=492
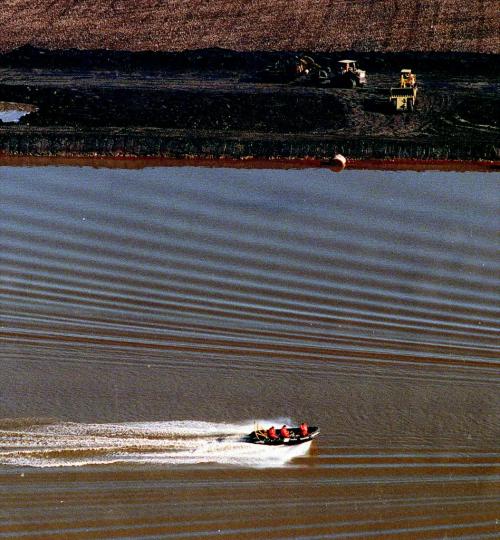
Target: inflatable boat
x=259 y=436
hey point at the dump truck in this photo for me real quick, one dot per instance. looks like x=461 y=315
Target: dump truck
x=403 y=97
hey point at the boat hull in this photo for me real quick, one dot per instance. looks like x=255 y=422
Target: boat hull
x=260 y=437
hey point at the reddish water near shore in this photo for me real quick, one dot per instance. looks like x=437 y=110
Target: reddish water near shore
x=122 y=162
x=150 y=316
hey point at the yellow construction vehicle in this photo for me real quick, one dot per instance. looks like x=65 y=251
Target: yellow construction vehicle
x=404 y=97
x=407 y=79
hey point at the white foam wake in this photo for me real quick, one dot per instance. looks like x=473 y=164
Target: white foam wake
x=174 y=442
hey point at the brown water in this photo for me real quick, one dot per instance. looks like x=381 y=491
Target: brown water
x=149 y=317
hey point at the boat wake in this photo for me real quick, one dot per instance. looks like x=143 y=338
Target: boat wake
x=56 y=444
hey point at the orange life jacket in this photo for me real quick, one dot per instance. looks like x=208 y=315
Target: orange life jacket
x=284 y=432
x=304 y=430
x=271 y=433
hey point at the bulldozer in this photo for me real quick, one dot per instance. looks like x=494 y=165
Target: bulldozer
x=403 y=97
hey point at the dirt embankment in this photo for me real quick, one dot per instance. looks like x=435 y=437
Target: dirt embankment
x=217 y=103
x=318 y=25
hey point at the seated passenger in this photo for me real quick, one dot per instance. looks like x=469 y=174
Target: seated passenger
x=271 y=433
x=303 y=430
x=284 y=433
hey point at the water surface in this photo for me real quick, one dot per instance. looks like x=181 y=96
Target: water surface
x=13 y=112
x=149 y=317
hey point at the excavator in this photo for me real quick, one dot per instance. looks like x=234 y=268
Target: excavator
x=347 y=75
x=306 y=69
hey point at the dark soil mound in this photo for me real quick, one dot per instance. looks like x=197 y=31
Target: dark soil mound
x=483 y=111
x=284 y=111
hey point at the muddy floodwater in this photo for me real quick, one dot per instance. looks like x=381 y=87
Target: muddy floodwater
x=149 y=318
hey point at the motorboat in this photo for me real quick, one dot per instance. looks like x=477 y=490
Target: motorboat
x=259 y=436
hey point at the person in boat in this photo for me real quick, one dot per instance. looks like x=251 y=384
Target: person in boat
x=271 y=433
x=284 y=433
x=303 y=430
